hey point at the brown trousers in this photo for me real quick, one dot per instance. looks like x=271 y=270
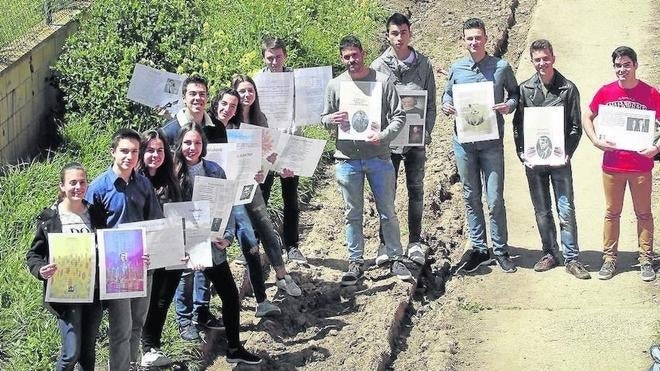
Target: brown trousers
x=614 y=185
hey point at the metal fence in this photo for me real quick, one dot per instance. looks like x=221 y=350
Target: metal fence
x=19 y=16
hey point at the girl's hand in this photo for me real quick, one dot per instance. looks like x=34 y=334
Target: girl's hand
x=260 y=176
x=48 y=270
x=145 y=260
x=220 y=243
x=287 y=173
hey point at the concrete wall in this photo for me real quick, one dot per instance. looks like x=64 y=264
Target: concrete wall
x=26 y=97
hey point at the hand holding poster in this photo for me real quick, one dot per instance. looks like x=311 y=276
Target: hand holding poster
x=74 y=254
x=544 y=136
x=122 y=271
x=629 y=129
x=363 y=102
x=413 y=133
x=475 y=118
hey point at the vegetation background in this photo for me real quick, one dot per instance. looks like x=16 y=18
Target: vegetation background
x=215 y=38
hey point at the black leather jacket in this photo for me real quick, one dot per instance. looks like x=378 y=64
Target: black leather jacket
x=561 y=92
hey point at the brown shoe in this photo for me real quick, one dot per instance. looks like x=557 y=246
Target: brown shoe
x=546 y=262
x=578 y=270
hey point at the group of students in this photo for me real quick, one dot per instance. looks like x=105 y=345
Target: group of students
x=160 y=166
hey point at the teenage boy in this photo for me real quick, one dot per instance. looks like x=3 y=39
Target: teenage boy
x=409 y=68
x=485 y=159
x=548 y=87
x=193 y=294
x=273 y=51
x=356 y=160
x=625 y=167
x=126 y=196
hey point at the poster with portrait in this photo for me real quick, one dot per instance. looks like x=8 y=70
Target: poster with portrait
x=75 y=257
x=362 y=100
x=475 y=118
x=122 y=272
x=157 y=89
x=627 y=128
x=413 y=133
x=544 y=135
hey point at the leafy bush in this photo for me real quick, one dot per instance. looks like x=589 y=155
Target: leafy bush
x=216 y=38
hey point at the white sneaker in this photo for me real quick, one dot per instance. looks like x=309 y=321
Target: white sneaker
x=381 y=256
x=266 y=308
x=289 y=285
x=417 y=252
x=155 y=358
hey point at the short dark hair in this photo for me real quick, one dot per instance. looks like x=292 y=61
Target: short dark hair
x=216 y=101
x=194 y=79
x=349 y=41
x=270 y=42
x=474 y=23
x=540 y=44
x=125 y=133
x=624 y=51
x=397 y=19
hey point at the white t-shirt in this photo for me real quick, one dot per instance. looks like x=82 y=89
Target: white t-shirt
x=75 y=223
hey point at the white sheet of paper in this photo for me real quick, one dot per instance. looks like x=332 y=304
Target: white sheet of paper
x=276 y=97
x=414 y=132
x=273 y=142
x=74 y=254
x=300 y=155
x=362 y=100
x=241 y=162
x=122 y=273
x=310 y=86
x=475 y=118
x=196 y=219
x=544 y=135
x=220 y=194
x=156 y=88
x=164 y=242
x=629 y=129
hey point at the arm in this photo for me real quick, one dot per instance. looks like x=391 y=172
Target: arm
x=431 y=110
x=448 y=96
x=588 y=127
x=330 y=105
x=574 y=121
x=511 y=87
x=396 y=117
x=518 y=129
x=37 y=257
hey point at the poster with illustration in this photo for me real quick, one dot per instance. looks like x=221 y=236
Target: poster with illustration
x=363 y=101
x=122 y=272
x=413 y=103
x=74 y=254
x=544 y=135
x=475 y=118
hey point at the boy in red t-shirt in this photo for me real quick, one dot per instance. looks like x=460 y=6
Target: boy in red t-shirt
x=625 y=167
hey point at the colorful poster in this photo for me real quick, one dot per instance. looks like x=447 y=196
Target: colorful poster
x=75 y=257
x=122 y=272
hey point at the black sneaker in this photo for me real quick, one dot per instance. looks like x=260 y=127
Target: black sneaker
x=206 y=320
x=472 y=259
x=189 y=333
x=240 y=355
x=505 y=262
x=353 y=274
x=400 y=270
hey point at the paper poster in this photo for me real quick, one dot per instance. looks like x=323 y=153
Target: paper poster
x=363 y=102
x=196 y=219
x=627 y=128
x=156 y=89
x=164 y=241
x=122 y=272
x=273 y=142
x=220 y=195
x=475 y=119
x=544 y=135
x=300 y=155
x=413 y=133
x=310 y=86
x=75 y=257
x=275 y=98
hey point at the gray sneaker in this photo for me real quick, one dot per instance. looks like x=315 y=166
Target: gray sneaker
x=289 y=286
x=296 y=255
x=400 y=270
x=416 y=252
x=353 y=274
x=240 y=260
x=381 y=256
x=607 y=270
x=155 y=358
x=648 y=274
x=266 y=308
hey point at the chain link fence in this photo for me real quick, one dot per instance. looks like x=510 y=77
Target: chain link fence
x=19 y=16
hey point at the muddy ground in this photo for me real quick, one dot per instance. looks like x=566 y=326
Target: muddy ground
x=367 y=327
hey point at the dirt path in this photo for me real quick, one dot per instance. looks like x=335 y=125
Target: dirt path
x=551 y=320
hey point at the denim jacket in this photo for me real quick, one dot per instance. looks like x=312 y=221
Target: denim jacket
x=561 y=92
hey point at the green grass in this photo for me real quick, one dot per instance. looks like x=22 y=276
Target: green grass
x=17 y=18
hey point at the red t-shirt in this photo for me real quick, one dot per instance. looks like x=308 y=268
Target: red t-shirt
x=643 y=96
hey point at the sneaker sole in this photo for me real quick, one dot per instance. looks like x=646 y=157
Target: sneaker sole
x=350 y=283
x=156 y=364
x=602 y=277
x=648 y=279
x=240 y=360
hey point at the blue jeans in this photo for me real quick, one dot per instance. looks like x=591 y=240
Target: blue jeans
x=192 y=294
x=126 y=317
x=250 y=249
x=380 y=174
x=482 y=163
x=539 y=179
x=78 y=324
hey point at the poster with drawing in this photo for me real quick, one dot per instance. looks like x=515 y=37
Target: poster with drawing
x=122 y=272
x=75 y=257
x=544 y=135
x=160 y=90
x=413 y=103
x=362 y=100
x=475 y=118
x=627 y=128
